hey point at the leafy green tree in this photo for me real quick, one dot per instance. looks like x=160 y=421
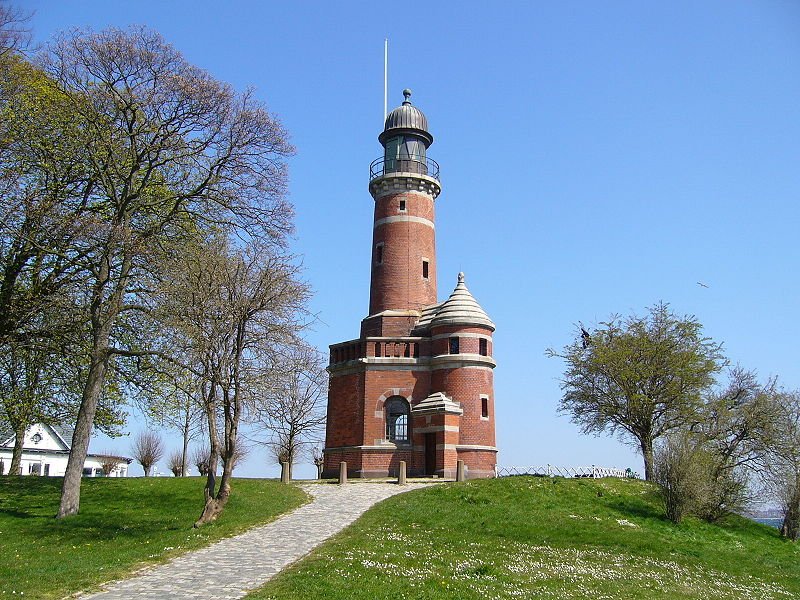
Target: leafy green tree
x=168 y=149
x=43 y=225
x=42 y=238
x=640 y=377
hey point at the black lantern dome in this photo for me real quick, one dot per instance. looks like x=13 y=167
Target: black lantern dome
x=405 y=139
x=406 y=119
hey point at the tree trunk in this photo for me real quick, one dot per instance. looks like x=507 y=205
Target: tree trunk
x=214 y=506
x=103 y=314
x=647 y=455
x=71 y=487
x=790 y=528
x=16 y=455
x=184 y=454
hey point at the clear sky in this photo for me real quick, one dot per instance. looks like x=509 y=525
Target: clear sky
x=596 y=158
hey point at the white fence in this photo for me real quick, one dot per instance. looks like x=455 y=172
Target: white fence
x=554 y=471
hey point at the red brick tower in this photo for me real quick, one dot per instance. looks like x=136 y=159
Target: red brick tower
x=417 y=384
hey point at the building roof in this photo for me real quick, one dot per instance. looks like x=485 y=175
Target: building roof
x=65 y=433
x=61 y=433
x=406 y=119
x=461 y=308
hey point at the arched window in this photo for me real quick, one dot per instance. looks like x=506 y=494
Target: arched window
x=397 y=420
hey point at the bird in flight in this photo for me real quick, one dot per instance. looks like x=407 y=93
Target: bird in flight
x=701 y=284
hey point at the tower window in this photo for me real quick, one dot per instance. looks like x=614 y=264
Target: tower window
x=402 y=206
x=379 y=254
x=397 y=419
x=453 y=345
x=484 y=407
x=425 y=270
x=483 y=347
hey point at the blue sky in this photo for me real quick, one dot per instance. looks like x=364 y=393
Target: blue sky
x=596 y=158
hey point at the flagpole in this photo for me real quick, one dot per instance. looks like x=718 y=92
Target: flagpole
x=385 y=75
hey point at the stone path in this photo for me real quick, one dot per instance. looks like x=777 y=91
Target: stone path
x=233 y=566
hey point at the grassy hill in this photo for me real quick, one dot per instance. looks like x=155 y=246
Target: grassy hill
x=123 y=524
x=527 y=537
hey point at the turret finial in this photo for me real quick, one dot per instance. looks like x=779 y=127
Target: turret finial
x=407 y=96
x=461 y=277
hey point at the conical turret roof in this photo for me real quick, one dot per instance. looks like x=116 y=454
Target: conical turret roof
x=461 y=308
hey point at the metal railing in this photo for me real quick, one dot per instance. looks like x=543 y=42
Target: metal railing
x=555 y=471
x=424 y=166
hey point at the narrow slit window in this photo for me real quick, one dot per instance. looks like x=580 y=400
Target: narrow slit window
x=485 y=408
x=453 y=345
x=379 y=254
x=425 y=270
x=483 y=347
x=402 y=206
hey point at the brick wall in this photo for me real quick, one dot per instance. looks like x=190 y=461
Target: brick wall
x=397 y=282
x=467 y=386
x=345 y=422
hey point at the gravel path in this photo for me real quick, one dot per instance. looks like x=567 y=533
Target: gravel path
x=233 y=566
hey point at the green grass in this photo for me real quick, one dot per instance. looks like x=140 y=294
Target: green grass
x=123 y=524
x=527 y=537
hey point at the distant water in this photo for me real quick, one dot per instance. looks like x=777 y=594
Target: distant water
x=776 y=523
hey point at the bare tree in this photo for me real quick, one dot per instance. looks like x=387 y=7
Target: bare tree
x=201 y=458
x=110 y=462
x=781 y=471
x=169 y=150
x=14 y=33
x=293 y=408
x=233 y=310
x=147 y=449
x=318 y=456
x=734 y=429
x=175 y=463
x=174 y=401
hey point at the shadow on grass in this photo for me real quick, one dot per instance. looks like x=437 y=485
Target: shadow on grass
x=640 y=510
x=35 y=500
x=17 y=514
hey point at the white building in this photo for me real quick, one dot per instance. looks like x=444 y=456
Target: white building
x=46 y=450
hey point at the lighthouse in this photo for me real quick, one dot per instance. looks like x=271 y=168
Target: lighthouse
x=417 y=384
